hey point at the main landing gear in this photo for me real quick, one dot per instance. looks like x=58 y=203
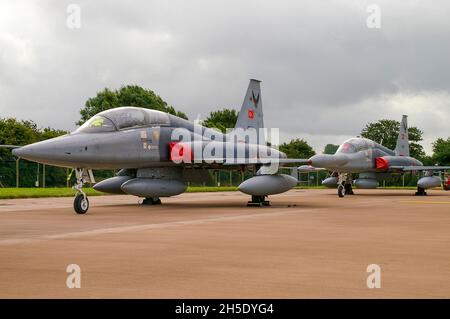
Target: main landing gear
x=258 y=201
x=421 y=192
x=81 y=202
x=345 y=185
x=151 y=201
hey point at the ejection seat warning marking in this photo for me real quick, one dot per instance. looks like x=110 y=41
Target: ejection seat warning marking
x=151 y=142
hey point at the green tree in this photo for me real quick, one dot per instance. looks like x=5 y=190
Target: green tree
x=386 y=133
x=13 y=132
x=441 y=151
x=330 y=149
x=297 y=148
x=221 y=120
x=130 y=95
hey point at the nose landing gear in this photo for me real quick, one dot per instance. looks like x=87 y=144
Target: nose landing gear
x=345 y=185
x=81 y=202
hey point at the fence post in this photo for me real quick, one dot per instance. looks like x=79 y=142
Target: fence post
x=17 y=172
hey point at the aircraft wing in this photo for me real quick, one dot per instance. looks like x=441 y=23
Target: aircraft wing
x=310 y=169
x=421 y=168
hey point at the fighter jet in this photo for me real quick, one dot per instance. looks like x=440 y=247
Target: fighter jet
x=373 y=162
x=157 y=153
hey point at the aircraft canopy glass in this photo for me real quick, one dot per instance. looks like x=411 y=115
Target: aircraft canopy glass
x=124 y=118
x=354 y=145
x=97 y=124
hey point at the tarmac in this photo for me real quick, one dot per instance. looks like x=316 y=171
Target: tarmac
x=308 y=244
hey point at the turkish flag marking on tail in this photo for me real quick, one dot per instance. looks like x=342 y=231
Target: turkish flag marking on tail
x=251 y=114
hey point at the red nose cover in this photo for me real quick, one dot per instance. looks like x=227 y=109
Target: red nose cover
x=180 y=153
x=381 y=163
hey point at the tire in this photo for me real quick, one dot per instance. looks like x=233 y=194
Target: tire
x=151 y=201
x=348 y=189
x=421 y=192
x=81 y=204
x=341 y=191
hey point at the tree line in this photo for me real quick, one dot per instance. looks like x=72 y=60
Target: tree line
x=15 y=132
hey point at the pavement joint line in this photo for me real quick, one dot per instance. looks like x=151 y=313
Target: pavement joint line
x=422 y=202
x=123 y=229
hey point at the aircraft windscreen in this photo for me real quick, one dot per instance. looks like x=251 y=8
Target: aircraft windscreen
x=97 y=124
x=354 y=145
x=130 y=117
x=346 y=148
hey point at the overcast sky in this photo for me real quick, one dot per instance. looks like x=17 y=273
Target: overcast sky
x=325 y=73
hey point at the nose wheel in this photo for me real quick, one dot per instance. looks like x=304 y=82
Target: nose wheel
x=341 y=190
x=345 y=185
x=81 y=202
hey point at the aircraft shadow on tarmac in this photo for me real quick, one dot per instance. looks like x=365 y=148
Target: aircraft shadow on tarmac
x=206 y=205
x=390 y=194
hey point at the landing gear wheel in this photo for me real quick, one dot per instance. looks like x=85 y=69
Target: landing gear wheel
x=421 y=192
x=341 y=191
x=81 y=204
x=348 y=189
x=151 y=201
x=258 y=201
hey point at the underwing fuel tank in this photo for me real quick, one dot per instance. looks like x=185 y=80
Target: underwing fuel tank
x=262 y=185
x=112 y=185
x=366 y=183
x=330 y=182
x=429 y=182
x=153 y=187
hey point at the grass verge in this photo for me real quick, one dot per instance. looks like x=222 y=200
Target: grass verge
x=11 y=193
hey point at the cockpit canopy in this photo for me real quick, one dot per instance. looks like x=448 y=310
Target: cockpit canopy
x=123 y=118
x=354 y=145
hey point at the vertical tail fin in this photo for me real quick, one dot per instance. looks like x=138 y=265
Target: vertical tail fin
x=402 y=147
x=251 y=113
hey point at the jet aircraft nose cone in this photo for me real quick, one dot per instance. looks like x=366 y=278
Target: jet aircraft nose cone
x=41 y=152
x=325 y=160
x=21 y=152
x=32 y=152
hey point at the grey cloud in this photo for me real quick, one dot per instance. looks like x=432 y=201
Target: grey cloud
x=324 y=72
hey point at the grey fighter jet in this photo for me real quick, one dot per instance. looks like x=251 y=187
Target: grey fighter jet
x=158 y=153
x=372 y=163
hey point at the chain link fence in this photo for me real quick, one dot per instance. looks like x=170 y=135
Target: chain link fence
x=22 y=173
